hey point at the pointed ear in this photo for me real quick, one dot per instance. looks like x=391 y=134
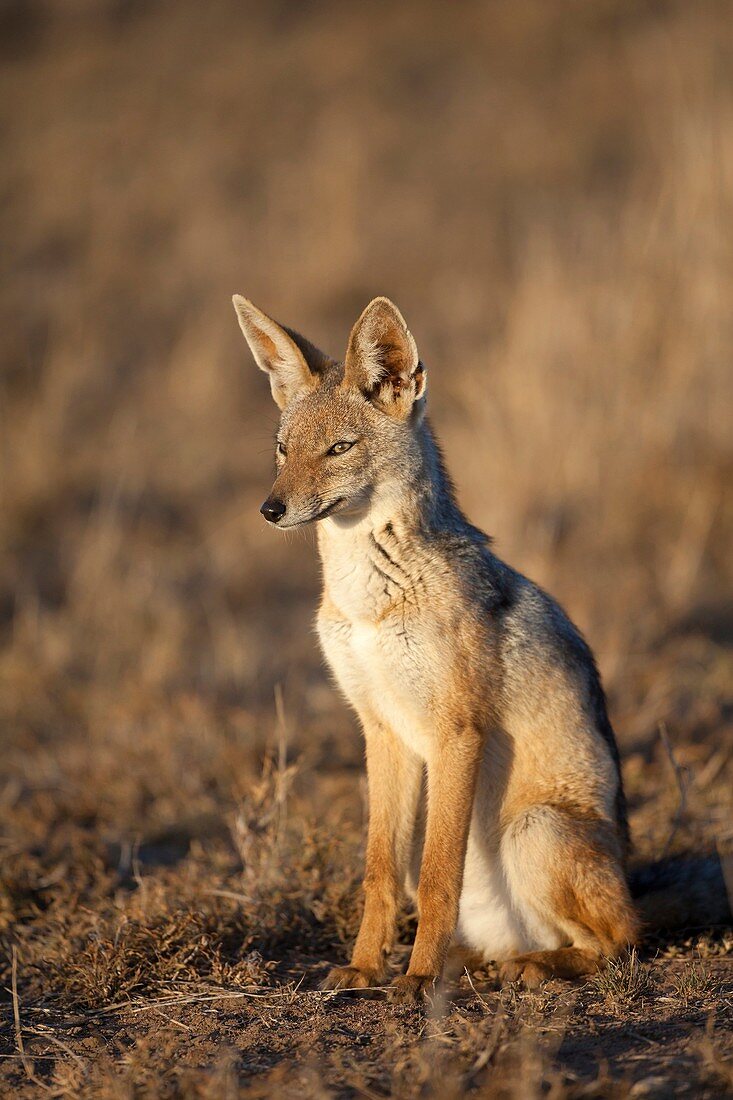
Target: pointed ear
x=382 y=360
x=293 y=364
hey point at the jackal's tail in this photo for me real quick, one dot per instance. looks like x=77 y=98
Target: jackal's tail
x=684 y=892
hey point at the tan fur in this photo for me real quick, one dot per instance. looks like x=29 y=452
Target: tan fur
x=494 y=790
x=395 y=778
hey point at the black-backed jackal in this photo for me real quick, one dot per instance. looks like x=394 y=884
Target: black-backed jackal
x=495 y=794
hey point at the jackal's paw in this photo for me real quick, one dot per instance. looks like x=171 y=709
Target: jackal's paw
x=524 y=969
x=412 y=989
x=349 y=977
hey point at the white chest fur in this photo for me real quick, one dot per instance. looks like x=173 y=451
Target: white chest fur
x=374 y=631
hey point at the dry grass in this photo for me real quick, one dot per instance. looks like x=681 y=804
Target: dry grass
x=623 y=981
x=694 y=982
x=547 y=191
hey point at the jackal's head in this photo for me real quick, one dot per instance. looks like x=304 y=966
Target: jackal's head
x=346 y=431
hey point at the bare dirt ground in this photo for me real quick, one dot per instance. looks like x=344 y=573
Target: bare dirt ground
x=546 y=189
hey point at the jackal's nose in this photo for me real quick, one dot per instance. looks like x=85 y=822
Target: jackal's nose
x=273 y=510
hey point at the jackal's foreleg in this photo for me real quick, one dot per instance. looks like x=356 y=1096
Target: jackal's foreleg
x=452 y=775
x=394 y=776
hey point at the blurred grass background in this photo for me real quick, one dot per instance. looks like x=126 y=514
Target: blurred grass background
x=546 y=189
x=547 y=192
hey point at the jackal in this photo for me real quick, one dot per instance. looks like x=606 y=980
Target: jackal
x=495 y=794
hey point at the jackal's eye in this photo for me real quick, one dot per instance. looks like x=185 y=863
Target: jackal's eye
x=280 y=448
x=340 y=448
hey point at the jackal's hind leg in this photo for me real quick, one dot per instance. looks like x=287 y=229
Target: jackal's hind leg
x=563 y=867
x=538 y=966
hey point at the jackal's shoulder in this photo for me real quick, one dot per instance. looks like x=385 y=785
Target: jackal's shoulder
x=526 y=614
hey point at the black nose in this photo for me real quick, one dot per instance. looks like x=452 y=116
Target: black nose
x=273 y=510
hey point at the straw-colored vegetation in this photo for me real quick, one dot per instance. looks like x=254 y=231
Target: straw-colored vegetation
x=546 y=190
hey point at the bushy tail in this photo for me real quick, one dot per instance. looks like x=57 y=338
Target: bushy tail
x=684 y=892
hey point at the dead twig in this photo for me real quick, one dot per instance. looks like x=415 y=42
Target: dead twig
x=176 y=1023
x=27 y=1063
x=59 y=1043
x=482 y=1000
x=682 y=778
x=271 y=996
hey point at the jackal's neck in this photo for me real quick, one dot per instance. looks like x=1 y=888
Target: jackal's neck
x=416 y=498
x=430 y=495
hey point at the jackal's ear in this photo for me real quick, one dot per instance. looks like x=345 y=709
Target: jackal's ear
x=382 y=360
x=294 y=365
